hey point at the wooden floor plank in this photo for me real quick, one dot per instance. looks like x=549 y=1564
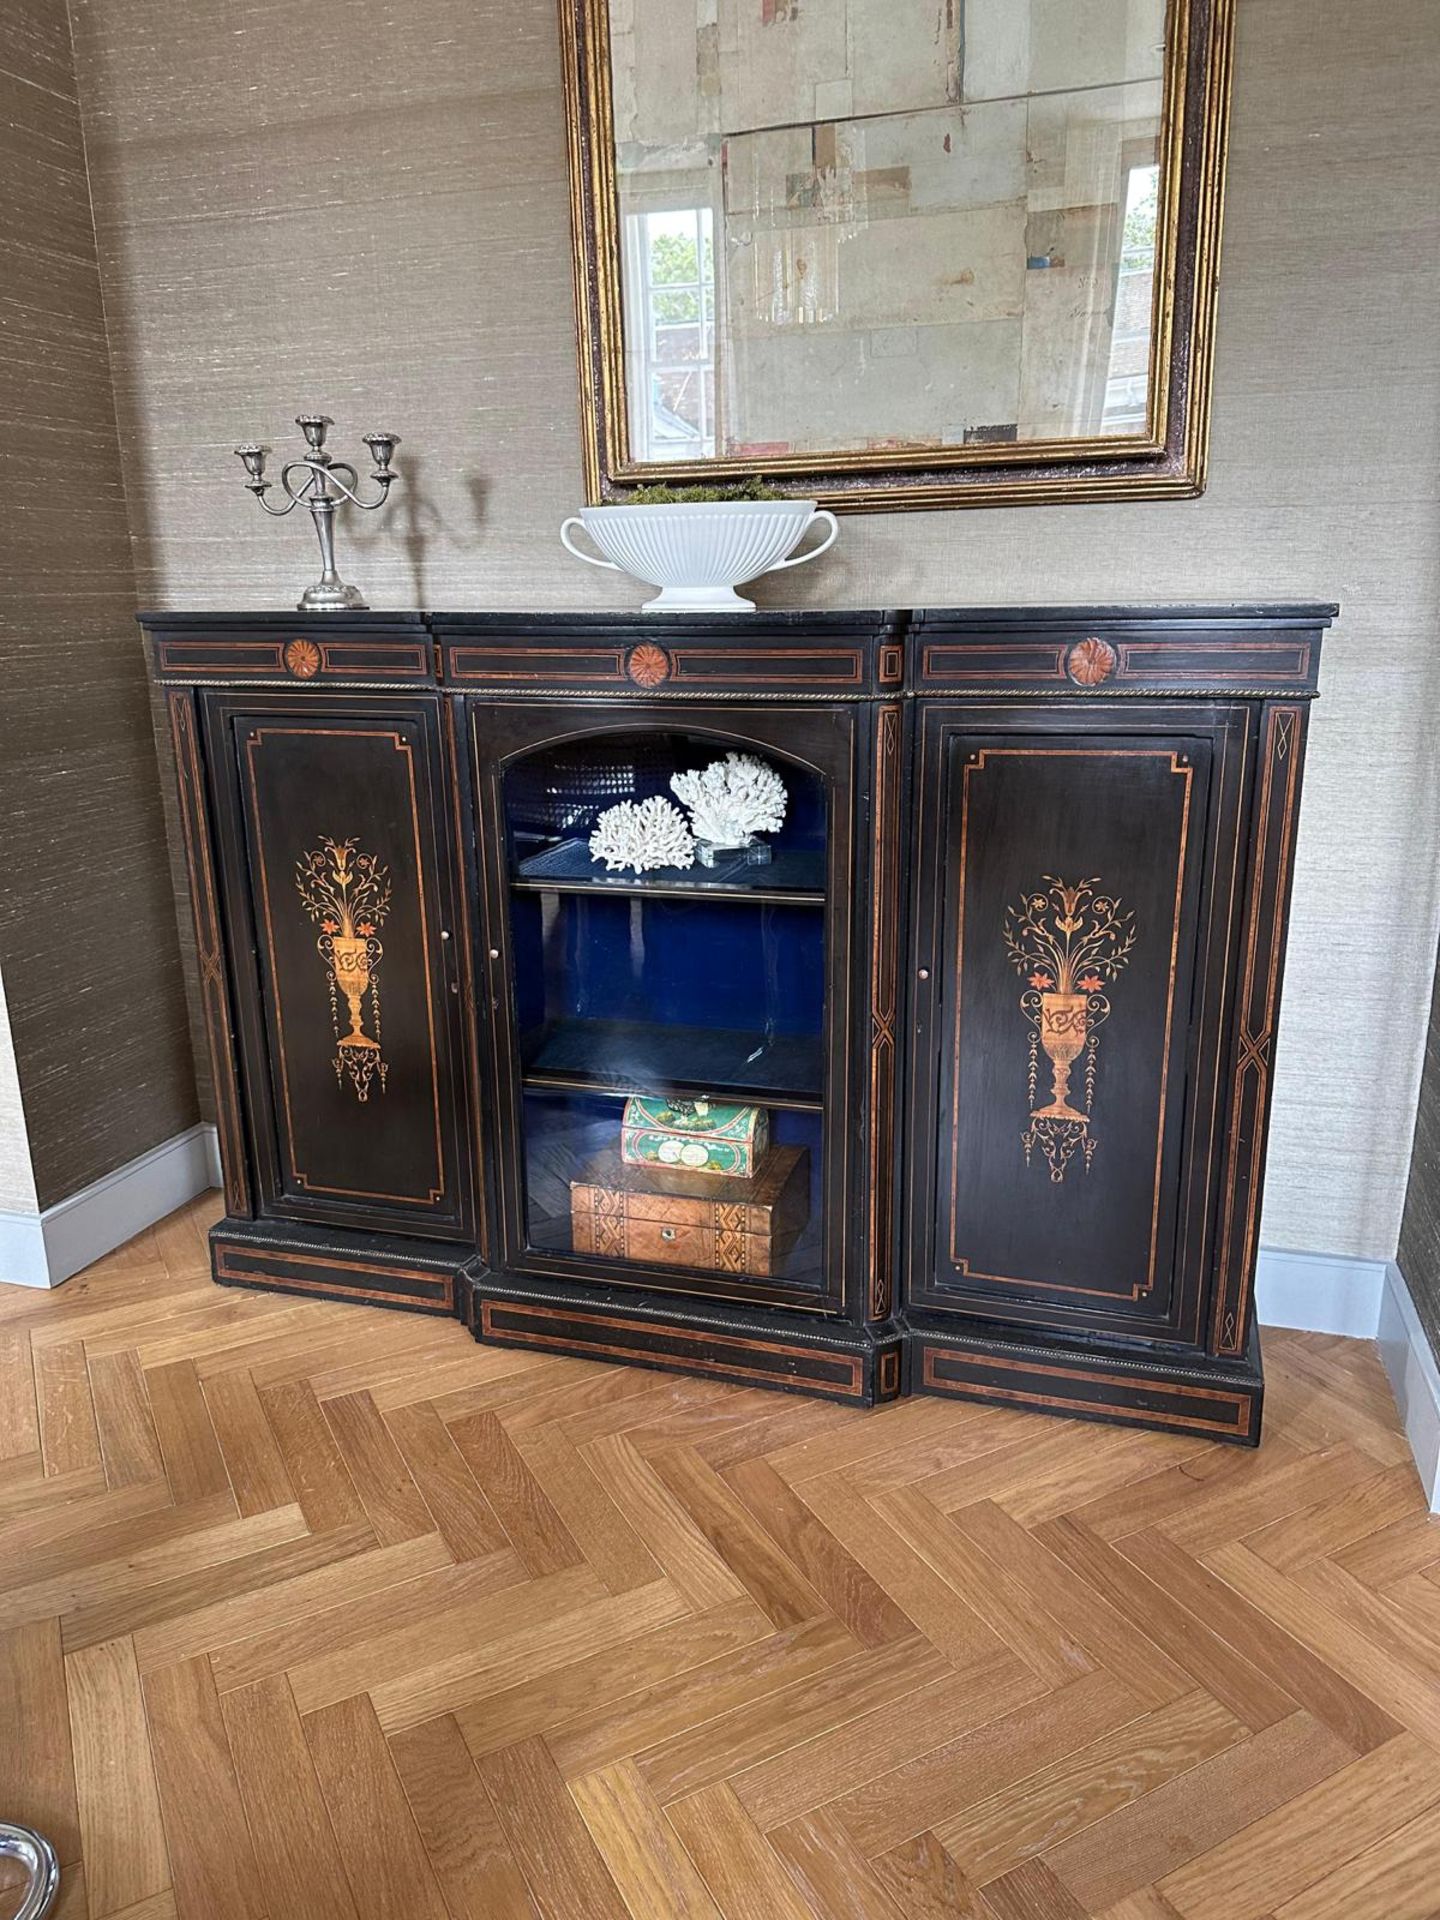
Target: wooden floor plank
x=772 y=1580
x=392 y=1501
x=573 y=1633
x=830 y=1873
x=604 y=1536
x=37 y=1774
x=1253 y=1694
x=1408 y=1545
x=1331 y=1525
x=985 y=1740
x=690 y=1562
x=463 y=1838
x=19 y=1414
x=462 y=1612
x=1394 y=1880
x=656 y=1877
x=991 y=1589
x=211 y=1858
x=1355 y=1704
x=141 y=1609
x=1275 y=1858
x=1031 y=1892
x=1000 y=1832
x=297 y=1861
x=467 y=1522
x=247 y=1442
x=314 y=1463
x=121 y=1834
x=1160 y=1832
x=739 y=1866
x=347 y=1569
x=561 y=1864
x=837 y=1576
x=600 y=1685
x=129 y=1445
x=194 y=1464
x=1106 y=1636
x=408 y=1585
x=670 y=1706
x=69 y=1438
x=384 y=1857
x=192 y=1538
x=895 y=1680
x=926 y=1599
x=925 y=1882
x=535 y=1530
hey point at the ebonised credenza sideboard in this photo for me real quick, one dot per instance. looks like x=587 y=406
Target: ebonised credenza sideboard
x=955 y=1080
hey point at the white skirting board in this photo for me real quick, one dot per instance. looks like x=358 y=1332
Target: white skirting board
x=1410 y=1362
x=1367 y=1299
x=1319 y=1292
x=42 y=1249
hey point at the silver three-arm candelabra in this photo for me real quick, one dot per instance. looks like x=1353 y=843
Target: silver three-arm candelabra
x=322 y=491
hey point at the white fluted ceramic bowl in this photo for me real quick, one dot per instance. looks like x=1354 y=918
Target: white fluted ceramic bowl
x=698 y=552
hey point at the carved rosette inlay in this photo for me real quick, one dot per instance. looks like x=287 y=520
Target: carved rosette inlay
x=648 y=665
x=302 y=659
x=347 y=895
x=1067 y=943
x=1091 y=662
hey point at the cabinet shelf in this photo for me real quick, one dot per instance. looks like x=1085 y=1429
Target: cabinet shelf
x=623 y=1056
x=791 y=878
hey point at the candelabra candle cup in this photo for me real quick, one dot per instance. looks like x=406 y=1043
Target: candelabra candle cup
x=382 y=446
x=254 y=455
x=323 y=485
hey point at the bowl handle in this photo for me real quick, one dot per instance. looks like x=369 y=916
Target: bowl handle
x=588 y=558
x=799 y=559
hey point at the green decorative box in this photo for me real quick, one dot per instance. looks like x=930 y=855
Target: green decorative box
x=702 y=1136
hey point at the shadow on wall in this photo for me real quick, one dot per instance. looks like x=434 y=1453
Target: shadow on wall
x=412 y=523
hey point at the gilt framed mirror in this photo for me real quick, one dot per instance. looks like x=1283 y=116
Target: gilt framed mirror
x=898 y=253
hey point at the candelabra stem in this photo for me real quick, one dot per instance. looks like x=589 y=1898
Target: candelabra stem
x=329 y=593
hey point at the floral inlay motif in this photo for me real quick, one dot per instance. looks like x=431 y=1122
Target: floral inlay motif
x=1067 y=943
x=347 y=895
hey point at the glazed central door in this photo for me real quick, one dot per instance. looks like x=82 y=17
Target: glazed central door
x=338 y=864
x=669 y=1055
x=1076 y=888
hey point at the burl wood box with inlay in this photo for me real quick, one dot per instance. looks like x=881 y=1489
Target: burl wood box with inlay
x=681 y=1219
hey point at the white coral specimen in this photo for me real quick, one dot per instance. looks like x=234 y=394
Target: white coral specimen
x=643 y=834
x=732 y=799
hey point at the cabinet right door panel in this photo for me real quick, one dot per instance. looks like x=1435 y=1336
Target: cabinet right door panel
x=1079 y=894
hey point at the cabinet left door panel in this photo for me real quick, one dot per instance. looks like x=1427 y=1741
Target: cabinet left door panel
x=337 y=862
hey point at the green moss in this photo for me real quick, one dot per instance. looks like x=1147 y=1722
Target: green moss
x=659 y=495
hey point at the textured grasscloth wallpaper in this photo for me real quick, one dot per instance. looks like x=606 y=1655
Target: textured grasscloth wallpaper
x=364 y=208
x=87 y=930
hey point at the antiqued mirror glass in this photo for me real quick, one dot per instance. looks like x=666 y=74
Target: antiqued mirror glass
x=861 y=242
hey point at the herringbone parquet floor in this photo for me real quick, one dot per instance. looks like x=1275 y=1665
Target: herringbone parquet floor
x=313 y=1613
